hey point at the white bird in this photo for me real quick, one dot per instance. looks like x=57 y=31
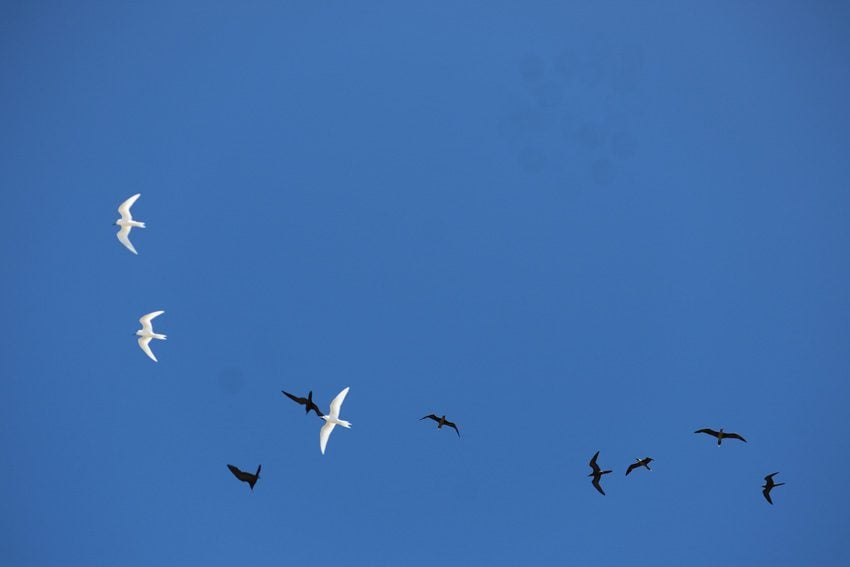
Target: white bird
x=146 y=333
x=332 y=420
x=127 y=223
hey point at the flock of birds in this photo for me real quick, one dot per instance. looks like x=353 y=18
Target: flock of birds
x=331 y=419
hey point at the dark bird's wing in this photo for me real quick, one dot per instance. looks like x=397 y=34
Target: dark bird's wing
x=295 y=399
x=769 y=478
x=734 y=436
x=632 y=467
x=432 y=416
x=312 y=406
x=593 y=464
x=710 y=432
x=766 y=493
x=243 y=476
x=597 y=487
x=453 y=426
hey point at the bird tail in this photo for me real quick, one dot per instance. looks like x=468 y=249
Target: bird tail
x=779 y=484
x=346 y=424
x=137 y=224
x=159 y=336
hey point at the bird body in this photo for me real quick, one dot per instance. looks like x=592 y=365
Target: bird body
x=597 y=474
x=127 y=223
x=308 y=402
x=251 y=479
x=332 y=420
x=721 y=435
x=146 y=333
x=769 y=485
x=644 y=462
x=441 y=421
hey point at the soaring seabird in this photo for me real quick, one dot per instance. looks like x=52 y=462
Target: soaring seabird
x=720 y=435
x=251 y=479
x=441 y=421
x=127 y=223
x=332 y=420
x=308 y=401
x=597 y=474
x=644 y=462
x=146 y=333
x=768 y=486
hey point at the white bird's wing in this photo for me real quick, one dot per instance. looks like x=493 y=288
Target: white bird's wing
x=336 y=404
x=124 y=238
x=324 y=434
x=146 y=320
x=124 y=208
x=144 y=342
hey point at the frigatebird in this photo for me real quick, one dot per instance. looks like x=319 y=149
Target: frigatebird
x=768 y=486
x=251 y=479
x=597 y=474
x=644 y=462
x=721 y=435
x=441 y=421
x=308 y=401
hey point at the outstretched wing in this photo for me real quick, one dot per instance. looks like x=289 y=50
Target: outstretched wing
x=237 y=473
x=431 y=416
x=124 y=237
x=711 y=432
x=597 y=487
x=295 y=399
x=324 y=434
x=632 y=467
x=734 y=436
x=144 y=342
x=146 y=320
x=766 y=493
x=769 y=478
x=453 y=426
x=593 y=464
x=124 y=208
x=336 y=404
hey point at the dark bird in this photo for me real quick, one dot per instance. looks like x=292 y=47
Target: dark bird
x=644 y=462
x=768 y=486
x=308 y=401
x=720 y=434
x=441 y=421
x=597 y=474
x=251 y=479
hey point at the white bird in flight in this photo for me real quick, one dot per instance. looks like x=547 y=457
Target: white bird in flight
x=332 y=420
x=146 y=333
x=127 y=223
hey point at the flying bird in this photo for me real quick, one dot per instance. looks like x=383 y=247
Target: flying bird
x=332 y=419
x=251 y=479
x=308 y=401
x=146 y=333
x=127 y=223
x=441 y=421
x=597 y=474
x=720 y=435
x=644 y=462
x=768 y=486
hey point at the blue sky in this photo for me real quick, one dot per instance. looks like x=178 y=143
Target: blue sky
x=569 y=227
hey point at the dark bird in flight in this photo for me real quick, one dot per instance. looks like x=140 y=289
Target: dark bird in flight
x=441 y=421
x=720 y=434
x=308 y=401
x=251 y=479
x=597 y=474
x=644 y=462
x=768 y=486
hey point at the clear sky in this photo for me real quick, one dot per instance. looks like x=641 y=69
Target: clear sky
x=568 y=226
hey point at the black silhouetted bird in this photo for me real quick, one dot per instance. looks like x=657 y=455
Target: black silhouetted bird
x=251 y=479
x=721 y=435
x=596 y=474
x=768 y=486
x=308 y=401
x=644 y=462
x=441 y=421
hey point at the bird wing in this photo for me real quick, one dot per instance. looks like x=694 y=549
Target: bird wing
x=709 y=431
x=769 y=478
x=432 y=416
x=124 y=238
x=766 y=493
x=237 y=473
x=124 y=208
x=146 y=320
x=596 y=485
x=632 y=467
x=593 y=464
x=296 y=399
x=453 y=426
x=734 y=436
x=336 y=404
x=144 y=342
x=324 y=434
